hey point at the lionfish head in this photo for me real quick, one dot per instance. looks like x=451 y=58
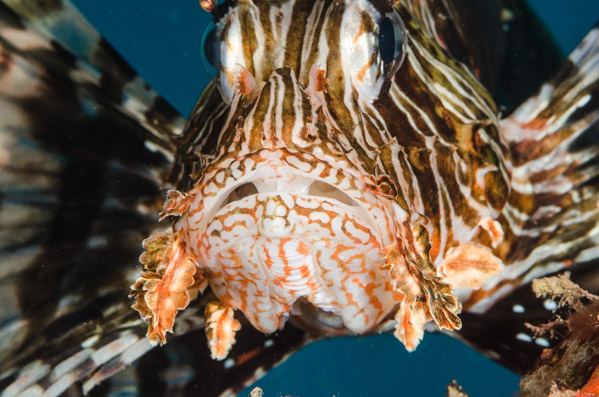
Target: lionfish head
x=302 y=203
x=290 y=201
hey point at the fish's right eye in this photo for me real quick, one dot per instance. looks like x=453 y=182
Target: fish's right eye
x=392 y=41
x=210 y=50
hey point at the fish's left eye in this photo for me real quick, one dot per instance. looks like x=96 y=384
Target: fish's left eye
x=392 y=41
x=210 y=50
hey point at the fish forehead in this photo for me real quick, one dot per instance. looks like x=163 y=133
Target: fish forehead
x=280 y=33
x=431 y=97
x=263 y=36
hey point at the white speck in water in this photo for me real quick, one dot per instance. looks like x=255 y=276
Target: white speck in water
x=542 y=342
x=550 y=304
x=523 y=337
x=518 y=309
x=229 y=363
x=269 y=343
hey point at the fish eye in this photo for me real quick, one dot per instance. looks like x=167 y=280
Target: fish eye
x=373 y=47
x=392 y=41
x=387 y=40
x=210 y=50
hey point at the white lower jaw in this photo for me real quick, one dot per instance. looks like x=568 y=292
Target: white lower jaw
x=265 y=251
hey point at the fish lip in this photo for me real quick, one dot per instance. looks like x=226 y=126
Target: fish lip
x=222 y=177
x=289 y=226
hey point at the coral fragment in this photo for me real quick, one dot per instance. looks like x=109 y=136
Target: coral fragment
x=455 y=390
x=571 y=367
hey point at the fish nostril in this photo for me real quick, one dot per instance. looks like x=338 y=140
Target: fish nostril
x=322 y=189
x=240 y=192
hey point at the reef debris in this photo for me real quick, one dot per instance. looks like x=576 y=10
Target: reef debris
x=455 y=390
x=571 y=368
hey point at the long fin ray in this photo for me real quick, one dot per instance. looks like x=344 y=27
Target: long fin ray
x=84 y=152
x=63 y=24
x=554 y=204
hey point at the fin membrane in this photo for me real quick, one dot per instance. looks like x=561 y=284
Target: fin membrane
x=552 y=217
x=84 y=147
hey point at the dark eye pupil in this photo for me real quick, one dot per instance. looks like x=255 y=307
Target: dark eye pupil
x=387 y=45
x=210 y=47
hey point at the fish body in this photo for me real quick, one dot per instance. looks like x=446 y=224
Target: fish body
x=327 y=182
x=370 y=183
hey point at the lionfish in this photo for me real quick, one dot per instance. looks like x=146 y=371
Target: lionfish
x=347 y=172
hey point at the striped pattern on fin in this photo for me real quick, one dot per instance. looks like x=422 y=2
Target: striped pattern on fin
x=60 y=23
x=105 y=338
x=85 y=149
x=554 y=202
x=183 y=366
x=79 y=361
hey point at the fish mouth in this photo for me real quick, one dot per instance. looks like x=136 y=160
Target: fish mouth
x=297 y=186
x=274 y=172
x=276 y=227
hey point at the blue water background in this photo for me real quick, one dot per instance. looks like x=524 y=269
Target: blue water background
x=161 y=39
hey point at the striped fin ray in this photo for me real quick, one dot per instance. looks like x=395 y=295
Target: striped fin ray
x=82 y=358
x=85 y=148
x=185 y=366
x=554 y=203
x=61 y=23
x=68 y=352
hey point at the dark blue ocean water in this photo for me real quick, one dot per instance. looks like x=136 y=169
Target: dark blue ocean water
x=161 y=39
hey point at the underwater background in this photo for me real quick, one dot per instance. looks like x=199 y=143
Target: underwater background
x=161 y=39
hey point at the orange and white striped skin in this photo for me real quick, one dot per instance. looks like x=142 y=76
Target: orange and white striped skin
x=311 y=195
x=264 y=251
x=324 y=173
